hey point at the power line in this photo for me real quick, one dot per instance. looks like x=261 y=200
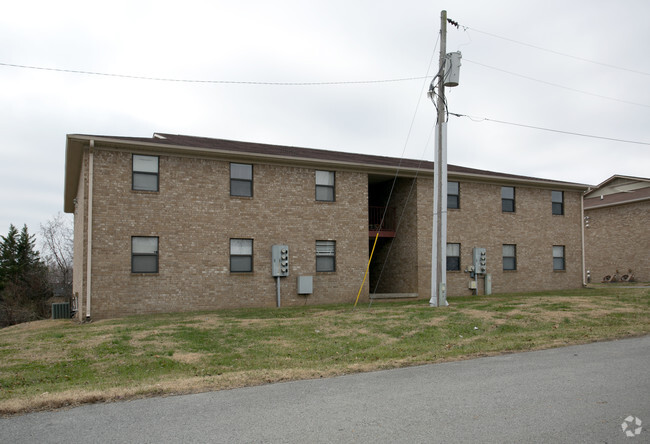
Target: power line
x=332 y=83
x=482 y=119
x=558 y=52
x=232 y=82
x=556 y=85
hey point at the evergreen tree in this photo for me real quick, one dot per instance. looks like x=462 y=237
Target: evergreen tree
x=27 y=255
x=9 y=268
x=23 y=279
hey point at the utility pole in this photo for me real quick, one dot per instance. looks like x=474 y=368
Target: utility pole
x=439 y=229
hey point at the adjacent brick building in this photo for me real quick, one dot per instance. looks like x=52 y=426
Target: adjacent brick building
x=179 y=223
x=617 y=234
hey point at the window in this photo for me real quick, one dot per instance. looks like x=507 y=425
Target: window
x=558 y=257
x=241 y=179
x=145 y=173
x=508 y=199
x=325 y=186
x=557 y=199
x=453 y=257
x=453 y=195
x=509 y=257
x=144 y=254
x=241 y=255
x=325 y=255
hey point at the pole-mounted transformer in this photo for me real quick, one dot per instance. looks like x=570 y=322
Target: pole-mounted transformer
x=452 y=68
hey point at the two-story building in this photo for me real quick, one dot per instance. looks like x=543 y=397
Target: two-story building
x=178 y=223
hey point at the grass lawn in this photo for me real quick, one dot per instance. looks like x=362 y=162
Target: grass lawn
x=57 y=363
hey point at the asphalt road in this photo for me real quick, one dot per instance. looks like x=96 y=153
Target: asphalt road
x=572 y=394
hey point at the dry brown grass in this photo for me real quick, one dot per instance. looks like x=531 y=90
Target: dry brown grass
x=55 y=364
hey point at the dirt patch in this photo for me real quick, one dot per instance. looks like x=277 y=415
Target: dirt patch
x=206 y=321
x=35 y=325
x=253 y=322
x=188 y=357
x=482 y=315
x=277 y=342
x=577 y=307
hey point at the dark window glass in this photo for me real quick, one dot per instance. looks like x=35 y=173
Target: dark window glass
x=558 y=257
x=241 y=264
x=241 y=188
x=144 y=254
x=241 y=180
x=453 y=195
x=509 y=257
x=453 y=257
x=145 y=173
x=557 y=199
x=241 y=255
x=325 y=185
x=325 y=255
x=508 y=199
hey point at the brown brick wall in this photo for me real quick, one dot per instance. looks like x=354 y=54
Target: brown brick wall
x=195 y=217
x=424 y=195
x=532 y=228
x=618 y=238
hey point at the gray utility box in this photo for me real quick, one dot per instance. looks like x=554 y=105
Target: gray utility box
x=305 y=284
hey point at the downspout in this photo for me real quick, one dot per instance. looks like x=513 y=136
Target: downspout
x=582 y=224
x=89 y=228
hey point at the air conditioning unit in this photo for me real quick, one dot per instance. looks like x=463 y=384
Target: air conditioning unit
x=61 y=310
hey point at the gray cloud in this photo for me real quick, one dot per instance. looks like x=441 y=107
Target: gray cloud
x=291 y=41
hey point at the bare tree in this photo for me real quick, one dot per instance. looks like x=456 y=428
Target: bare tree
x=57 y=237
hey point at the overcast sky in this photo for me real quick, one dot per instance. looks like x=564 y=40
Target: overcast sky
x=504 y=76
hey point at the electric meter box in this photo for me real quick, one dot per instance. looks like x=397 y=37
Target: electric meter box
x=479 y=259
x=280 y=260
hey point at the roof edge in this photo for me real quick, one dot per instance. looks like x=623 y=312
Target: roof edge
x=162 y=142
x=613 y=178
x=614 y=204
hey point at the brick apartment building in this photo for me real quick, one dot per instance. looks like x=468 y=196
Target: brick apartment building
x=617 y=235
x=178 y=223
